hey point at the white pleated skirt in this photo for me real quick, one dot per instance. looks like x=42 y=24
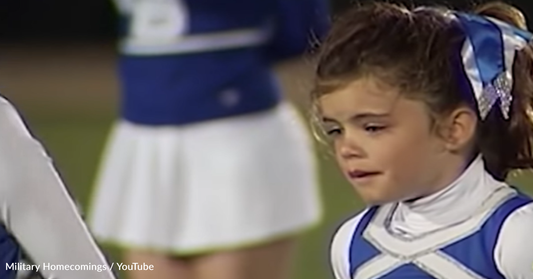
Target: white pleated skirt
x=210 y=186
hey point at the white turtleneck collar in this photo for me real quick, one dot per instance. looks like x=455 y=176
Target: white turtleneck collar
x=453 y=204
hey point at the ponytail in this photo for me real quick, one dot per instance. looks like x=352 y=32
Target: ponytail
x=506 y=144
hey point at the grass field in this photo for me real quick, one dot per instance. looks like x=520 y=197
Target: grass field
x=68 y=97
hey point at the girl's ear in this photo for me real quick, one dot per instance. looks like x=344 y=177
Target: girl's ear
x=458 y=129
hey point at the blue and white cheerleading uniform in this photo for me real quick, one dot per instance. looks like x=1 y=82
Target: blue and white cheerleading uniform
x=476 y=228
x=207 y=154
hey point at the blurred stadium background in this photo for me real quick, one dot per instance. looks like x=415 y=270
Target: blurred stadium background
x=57 y=66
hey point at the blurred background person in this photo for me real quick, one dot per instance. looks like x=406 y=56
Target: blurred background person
x=37 y=214
x=209 y=172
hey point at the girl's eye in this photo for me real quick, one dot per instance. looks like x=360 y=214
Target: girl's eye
x=333 y=131
x=372 y=128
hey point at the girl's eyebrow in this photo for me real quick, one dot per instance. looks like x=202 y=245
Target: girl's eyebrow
x=360 y=116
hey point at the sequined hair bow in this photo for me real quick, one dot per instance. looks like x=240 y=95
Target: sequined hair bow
x=488 y=55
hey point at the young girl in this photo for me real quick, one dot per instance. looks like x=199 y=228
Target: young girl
x=428 y=110
x=37 y=215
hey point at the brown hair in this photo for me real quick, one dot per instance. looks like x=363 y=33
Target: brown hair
x=419 y=52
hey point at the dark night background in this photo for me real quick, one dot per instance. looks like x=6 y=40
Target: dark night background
x=94 y=19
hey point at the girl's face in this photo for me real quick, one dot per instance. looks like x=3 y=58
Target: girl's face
x=383 y=142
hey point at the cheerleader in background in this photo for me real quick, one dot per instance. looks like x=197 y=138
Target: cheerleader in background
x=209 y=172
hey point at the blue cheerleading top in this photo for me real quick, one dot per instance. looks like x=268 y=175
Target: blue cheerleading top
x=184 y=61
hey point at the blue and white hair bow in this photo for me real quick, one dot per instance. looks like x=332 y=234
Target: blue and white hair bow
x=488 y=55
